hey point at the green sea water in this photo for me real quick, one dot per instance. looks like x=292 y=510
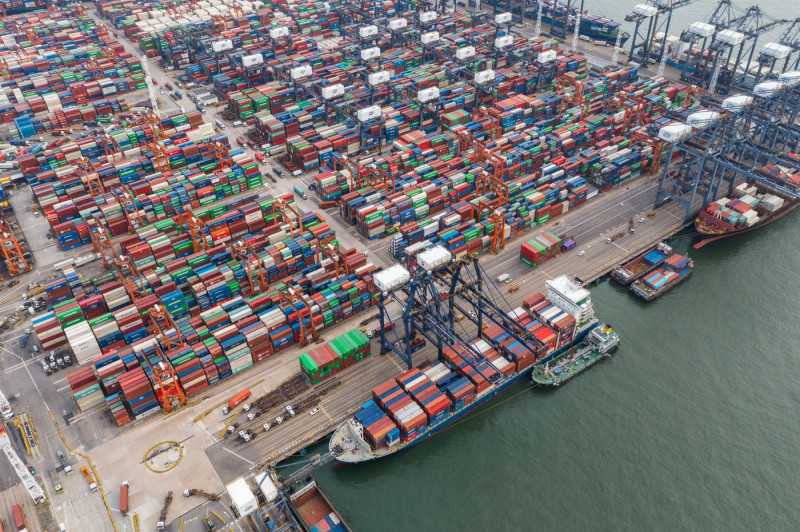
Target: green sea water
x=693 y=424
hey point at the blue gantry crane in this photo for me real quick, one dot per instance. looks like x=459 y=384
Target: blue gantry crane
x=652 y=17
x=731 y=140
x=787 y=45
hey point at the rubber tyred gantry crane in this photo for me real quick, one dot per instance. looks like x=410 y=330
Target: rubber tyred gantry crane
x=12 y=251
x=159 y=312
x=241 y=250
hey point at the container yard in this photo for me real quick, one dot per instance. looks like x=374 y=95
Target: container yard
x=205 y=199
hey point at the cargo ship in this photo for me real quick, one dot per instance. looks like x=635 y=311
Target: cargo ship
x=313 y=508
x=593 y=26
x=13 y=7
x=420 y=402
x=752 y=206
x=599 y=344
x=675 y=271
x=642 y=265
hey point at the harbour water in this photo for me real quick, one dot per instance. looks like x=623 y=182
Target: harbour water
x=691 y=425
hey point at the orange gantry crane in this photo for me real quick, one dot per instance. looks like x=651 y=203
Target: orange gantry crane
x=110 y=146
x=101 y=242
x=481 y=113
x=326 y=248
x=642 y=139
x=172 y=396
x=173 y=342
x=282 y=211
x=127 y=201
x=291 y=297
x=129 y=274
x=197 y=230
x=12 y=251
x=220 y=153
x=86 y=170
x=241 y=250
x=218 y=24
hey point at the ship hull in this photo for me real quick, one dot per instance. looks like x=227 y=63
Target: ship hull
x=594 y=359
x=712 y=237
x=471 y=407
x=627 y=282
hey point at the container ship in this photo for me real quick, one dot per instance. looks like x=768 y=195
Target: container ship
x=675 y=270
x=642 y=265
x=13 y=7
x=599 y=344
x=751 y=207
x=420 y=402
x=593 y=26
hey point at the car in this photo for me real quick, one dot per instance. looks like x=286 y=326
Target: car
x=315 y=411
x=161 y=91
x=266 y=426
x=278 y=420
x=581 y=253
x=32 y=470
x=13 y=283
x=168 y=86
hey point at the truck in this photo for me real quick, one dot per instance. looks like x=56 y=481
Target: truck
x=236 y=401
x=123 y=497
x=55 y=480
x=24 y=340
x=5 y=408
x=88 y=476
x=19 y=520
x=299 y=191
x=63 y=459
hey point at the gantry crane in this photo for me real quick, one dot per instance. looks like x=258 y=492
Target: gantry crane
x=495 y=179
x=641 y=138
x=172 y=395
x=788 y=43
x=127 y=200
x=159 y=312
x=110 y=147
x=12 y=251
x=281 y=212
x=241 y=250
x=651 y=11
x=358 y=173
x=85 y=169
x=130 y=277
x=220 y=153
x=197 y=230
x=291 y=297
x=326 y=248
x=101 y=242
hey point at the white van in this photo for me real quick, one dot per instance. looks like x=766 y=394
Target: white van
x=504 y=278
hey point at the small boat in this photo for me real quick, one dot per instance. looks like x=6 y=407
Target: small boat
x=599 y=344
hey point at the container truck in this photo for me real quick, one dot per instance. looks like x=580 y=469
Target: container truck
x=54 y=478
x=19 y=520
x=299 y=191
x=5 y=407
x=123 y=497
x=236 y=401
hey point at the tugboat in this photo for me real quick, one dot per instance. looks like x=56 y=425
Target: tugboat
x=599 y=344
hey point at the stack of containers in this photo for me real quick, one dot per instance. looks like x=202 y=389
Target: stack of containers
x=85 y=389
x=425 y=393
x=539 y=249
x=49 y=332
x=118 y=410
x=190 y=371
x=138 y=392
x=407 y=414
x=325 y=360
x=379 y=430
